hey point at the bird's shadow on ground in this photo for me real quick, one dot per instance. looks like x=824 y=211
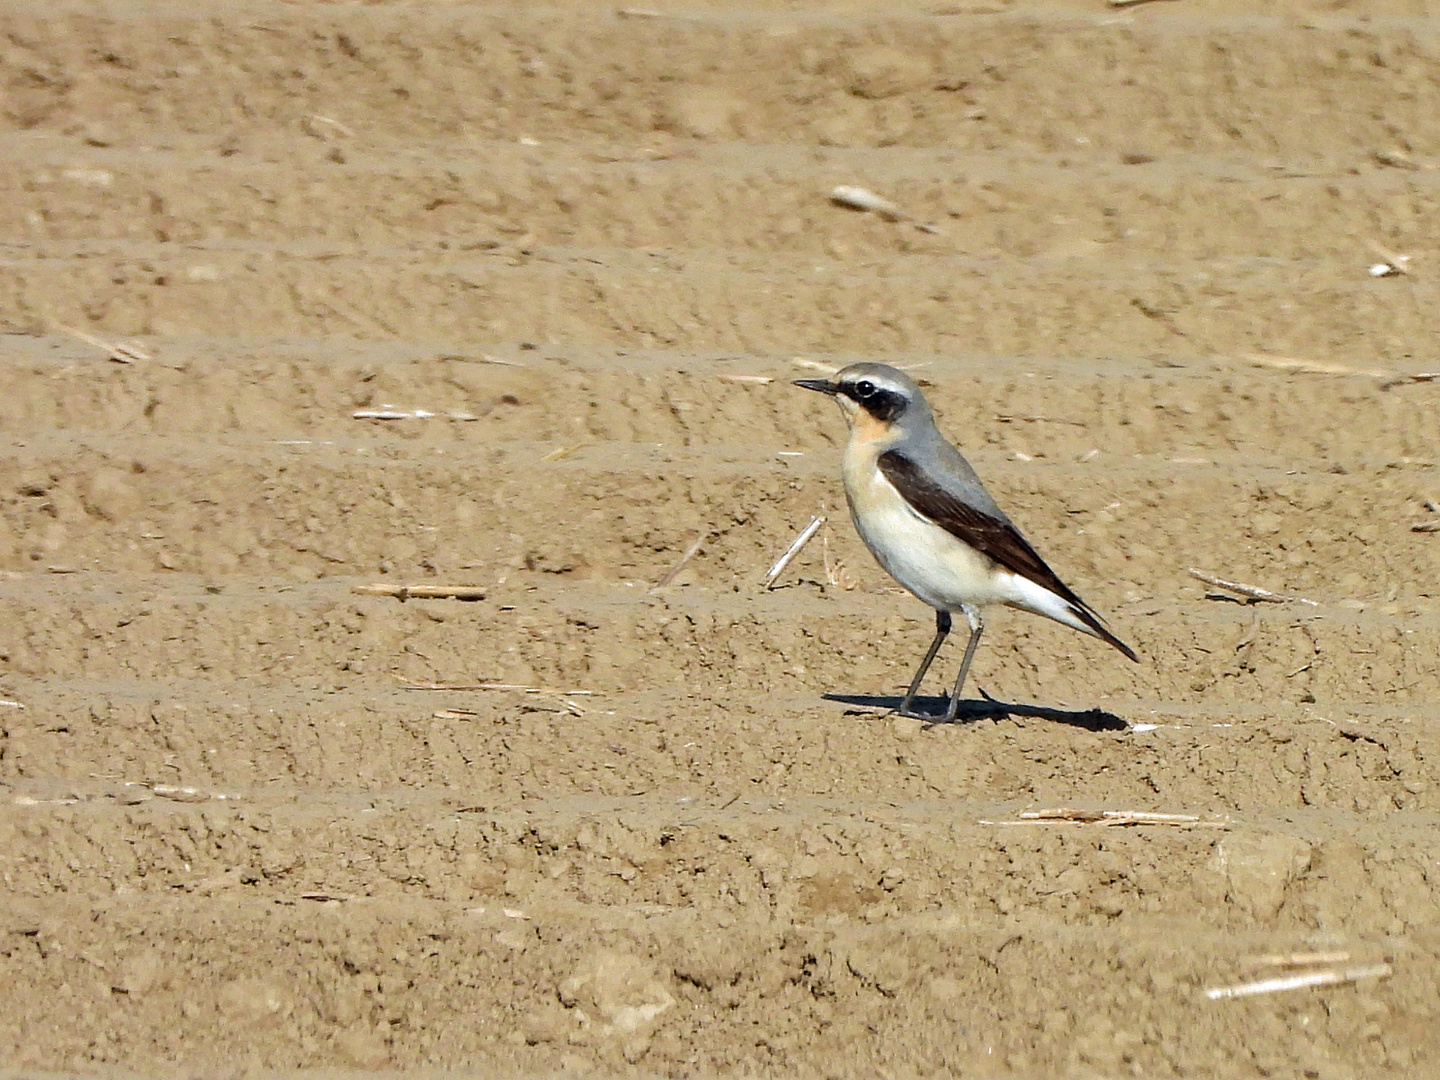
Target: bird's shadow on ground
x=989 y=709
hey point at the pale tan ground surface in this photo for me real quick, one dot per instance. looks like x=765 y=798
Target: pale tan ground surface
x=700 y=867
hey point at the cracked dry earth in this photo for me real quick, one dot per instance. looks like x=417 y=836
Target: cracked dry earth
x=233 y=843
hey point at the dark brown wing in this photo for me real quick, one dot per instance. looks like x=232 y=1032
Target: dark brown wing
x=992 y=536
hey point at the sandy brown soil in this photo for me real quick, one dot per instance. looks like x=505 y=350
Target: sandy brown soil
x=232 y=842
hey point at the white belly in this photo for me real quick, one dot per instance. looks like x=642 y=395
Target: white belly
x=944 y=572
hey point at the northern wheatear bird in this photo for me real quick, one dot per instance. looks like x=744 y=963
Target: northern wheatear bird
x=928 y=520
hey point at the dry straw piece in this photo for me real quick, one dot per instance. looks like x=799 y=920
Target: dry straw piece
x=321 y=127
x=421 y=592
x=859 y=198
x=512 y=687
x=454 y=714
x=1007 y=418
x=189 y=794
x=394 y=412
x=1398 y=159
x=1300 y=981
x=387 y=413
x=1253 y=592
x=118 y=351
x=1407 y=380
x=31 y=800
x=690 y=553
x=1312 y=367
x=1433 y=524
x=806 y=534
x=483 y=358
x=648 y=13
x=1066 y=815
x=1393 y=264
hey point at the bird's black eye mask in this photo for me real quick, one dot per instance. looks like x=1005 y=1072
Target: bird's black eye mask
x=885 y=405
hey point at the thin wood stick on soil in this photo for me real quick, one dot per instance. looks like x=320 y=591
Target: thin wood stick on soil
x=1314 y=367
x=647 y=13
x=317 y=125
x=1066 y=815
x=1433 y=525
x=410 y=414
x=177 y=793
x=1300 y=980
x=1406 y=380
x=1397 y=159
x=1007 y=418
x=483 y=358
x=674 y=571
x=1394 y=263
x=117 y=351
x=858 y=198
x=1254 y=592
x=806 y=534
x=421 y=592
x=514 y=687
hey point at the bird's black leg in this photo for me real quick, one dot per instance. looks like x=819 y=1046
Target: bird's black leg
x=942 y=628
x=977 y=627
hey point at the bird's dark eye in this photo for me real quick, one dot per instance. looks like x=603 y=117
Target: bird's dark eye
x=864 y=388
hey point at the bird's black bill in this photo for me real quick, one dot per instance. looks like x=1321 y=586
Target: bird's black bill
x=824 y=386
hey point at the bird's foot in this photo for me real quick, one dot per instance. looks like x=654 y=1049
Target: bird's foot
x=912 y=713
